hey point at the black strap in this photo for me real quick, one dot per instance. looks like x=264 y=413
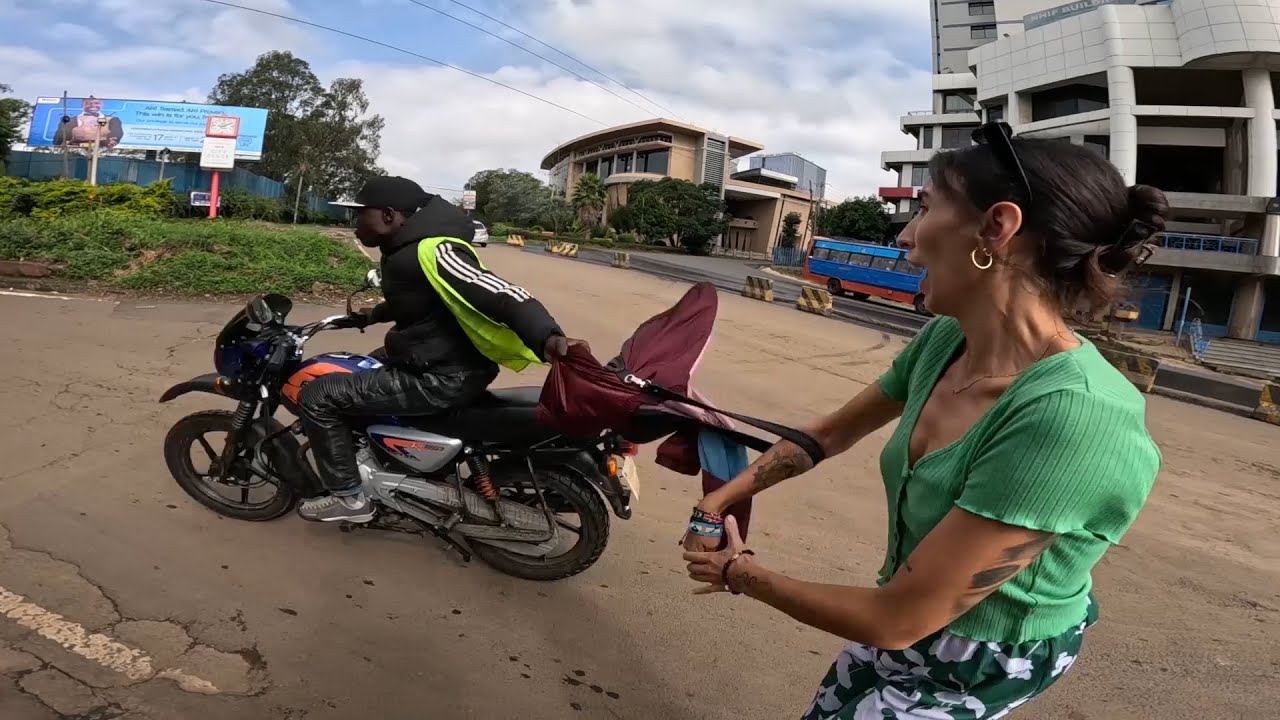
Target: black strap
x=803 y=440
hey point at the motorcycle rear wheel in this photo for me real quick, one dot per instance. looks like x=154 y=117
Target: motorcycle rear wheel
x=567 y=496
x=188 y=433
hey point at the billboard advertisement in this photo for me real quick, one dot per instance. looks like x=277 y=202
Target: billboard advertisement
x=140 y=125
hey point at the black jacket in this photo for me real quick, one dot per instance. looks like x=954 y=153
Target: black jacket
x=426 y=336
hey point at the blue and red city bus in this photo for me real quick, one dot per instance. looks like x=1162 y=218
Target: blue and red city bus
x=864 y=270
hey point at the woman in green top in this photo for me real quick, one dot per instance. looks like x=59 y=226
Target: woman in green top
x=1020 y=457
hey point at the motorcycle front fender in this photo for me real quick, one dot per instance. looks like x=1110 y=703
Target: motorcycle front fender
x=211 y=383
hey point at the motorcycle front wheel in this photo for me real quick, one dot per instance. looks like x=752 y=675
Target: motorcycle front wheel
x=193 y=449
x=580 y=514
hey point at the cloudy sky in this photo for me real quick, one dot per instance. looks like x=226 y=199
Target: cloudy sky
x=825 y=78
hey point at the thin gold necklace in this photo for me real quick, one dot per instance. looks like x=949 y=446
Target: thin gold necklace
x=1043 y=353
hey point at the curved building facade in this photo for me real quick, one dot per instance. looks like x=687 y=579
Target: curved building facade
x=758 y=199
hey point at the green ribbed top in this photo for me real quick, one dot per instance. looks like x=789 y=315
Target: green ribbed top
x=1065 y=450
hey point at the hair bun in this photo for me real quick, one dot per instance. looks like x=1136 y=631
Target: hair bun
x=1147 y=211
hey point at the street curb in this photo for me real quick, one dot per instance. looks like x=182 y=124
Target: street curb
x=1203 y=401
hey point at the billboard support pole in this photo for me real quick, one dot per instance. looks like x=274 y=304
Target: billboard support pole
x=297 y=200
x=64 y=122
x=213 y=195
x=93 y=159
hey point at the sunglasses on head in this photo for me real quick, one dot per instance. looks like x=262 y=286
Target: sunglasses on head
x=999 y=137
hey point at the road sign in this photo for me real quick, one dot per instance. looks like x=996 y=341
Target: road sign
x=203 y=199
x=468 y=199
x=218 y=153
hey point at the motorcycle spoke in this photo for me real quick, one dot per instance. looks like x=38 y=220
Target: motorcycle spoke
x=213 y=456
x=575 y=529
x=244 y=496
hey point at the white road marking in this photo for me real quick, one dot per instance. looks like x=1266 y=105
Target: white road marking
x=362 y=250
x=42 y=296
x=107 y=652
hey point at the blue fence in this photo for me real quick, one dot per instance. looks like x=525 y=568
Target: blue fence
x=789 y=257
x=185 y=178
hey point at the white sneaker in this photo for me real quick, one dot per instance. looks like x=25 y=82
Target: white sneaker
x=331 y=508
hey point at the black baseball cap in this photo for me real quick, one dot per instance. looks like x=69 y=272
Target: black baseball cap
x=390 y=192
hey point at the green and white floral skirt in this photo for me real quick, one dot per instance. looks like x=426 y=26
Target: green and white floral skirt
x=944 y=677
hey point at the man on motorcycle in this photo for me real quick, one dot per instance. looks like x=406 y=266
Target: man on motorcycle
x=455 y=323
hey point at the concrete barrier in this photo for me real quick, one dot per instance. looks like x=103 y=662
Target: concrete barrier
x=1267 y=410
x=814 y=300
x=758 y=288
x=550 y=246
x=1140 y=369
x=622 y=260
x=569 y=250
x=516 y=240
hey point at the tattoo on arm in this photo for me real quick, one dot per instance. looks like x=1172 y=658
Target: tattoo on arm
x=783 y=461
x=1013 y=560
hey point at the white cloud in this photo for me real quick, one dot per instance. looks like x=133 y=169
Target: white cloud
x=745 y=71
x=71 y=35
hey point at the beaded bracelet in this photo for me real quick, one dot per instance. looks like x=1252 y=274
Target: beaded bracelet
x=709 y=517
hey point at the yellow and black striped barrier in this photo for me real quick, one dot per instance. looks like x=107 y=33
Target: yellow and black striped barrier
x=1139 y=369
x=622 y=260
x=814 y=300
x=516 y=240
x=569 y=250
x=1268 y=411
x=758 y=288
x=550 y=246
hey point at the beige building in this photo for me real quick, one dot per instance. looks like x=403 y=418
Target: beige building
x=758 y=199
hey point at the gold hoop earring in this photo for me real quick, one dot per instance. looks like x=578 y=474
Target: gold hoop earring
x=973 y=257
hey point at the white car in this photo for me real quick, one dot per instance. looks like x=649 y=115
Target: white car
x=481 y=238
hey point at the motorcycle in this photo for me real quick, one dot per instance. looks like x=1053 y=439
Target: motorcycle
x=486 y=479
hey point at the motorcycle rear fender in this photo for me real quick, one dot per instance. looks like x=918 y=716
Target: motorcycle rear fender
x=614 y=490
x=211 y=383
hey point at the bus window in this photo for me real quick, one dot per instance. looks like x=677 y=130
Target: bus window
x=839 y=256
x=909 y=269
x=860 y=260
x=883 y=263
x=821 y=254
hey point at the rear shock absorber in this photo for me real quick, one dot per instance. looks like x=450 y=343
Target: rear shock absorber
x=479 y=468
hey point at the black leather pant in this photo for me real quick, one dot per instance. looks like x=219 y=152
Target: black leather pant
x=327 y=402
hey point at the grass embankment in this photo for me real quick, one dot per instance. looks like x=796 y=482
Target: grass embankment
x=120 y=251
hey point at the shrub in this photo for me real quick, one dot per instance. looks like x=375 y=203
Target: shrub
x=501 y=230
x=196 y=256
x=58 y=198
x=627 y=238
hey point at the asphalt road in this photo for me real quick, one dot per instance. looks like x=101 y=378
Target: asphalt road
x=120 y=597
x=1191 y=384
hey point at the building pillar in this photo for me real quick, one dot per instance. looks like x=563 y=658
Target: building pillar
x=1246 y=309
x=1122 y=95
x=1262 y=132
x=1174 y=307
x=1013 y=111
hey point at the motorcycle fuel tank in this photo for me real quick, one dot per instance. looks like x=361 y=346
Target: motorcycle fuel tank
x=423 y=451
x=319 y=366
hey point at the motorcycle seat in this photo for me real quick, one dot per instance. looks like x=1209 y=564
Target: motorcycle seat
x=503 y=415
x=509 y=397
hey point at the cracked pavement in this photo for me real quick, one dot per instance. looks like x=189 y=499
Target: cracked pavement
x=122 y=598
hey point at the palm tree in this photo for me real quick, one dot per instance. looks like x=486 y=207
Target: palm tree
x=588 y=199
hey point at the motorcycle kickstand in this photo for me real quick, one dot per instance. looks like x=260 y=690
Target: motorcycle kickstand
x=443 y=533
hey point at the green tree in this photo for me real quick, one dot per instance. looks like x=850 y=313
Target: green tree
x=861 y=218
x=790 y=230
x=509 y=196
x=589 y=198
x=316 y=136
x=13 y=115
x=691 y=215
x=557 y=214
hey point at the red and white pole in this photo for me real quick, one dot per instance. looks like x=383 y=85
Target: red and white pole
x=213 y=195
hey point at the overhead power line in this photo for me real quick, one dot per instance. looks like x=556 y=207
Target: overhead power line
x=379 y=43
x=567 y=55
x=543 y=58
